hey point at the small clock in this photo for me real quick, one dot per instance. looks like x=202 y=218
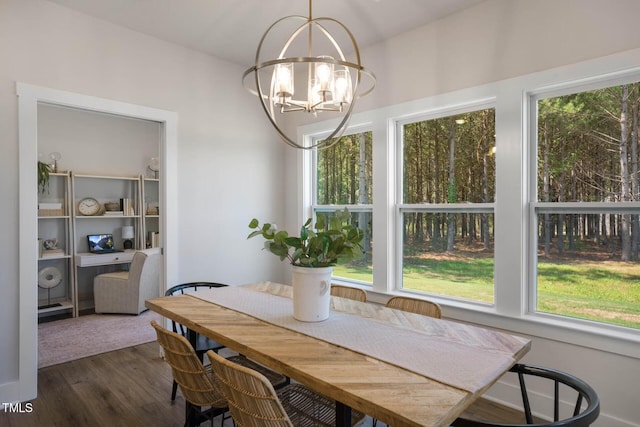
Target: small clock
x=89 y=206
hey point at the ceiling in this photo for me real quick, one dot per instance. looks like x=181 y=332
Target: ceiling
x=231 y=29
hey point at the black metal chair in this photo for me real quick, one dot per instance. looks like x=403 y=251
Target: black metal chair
x=583 y=415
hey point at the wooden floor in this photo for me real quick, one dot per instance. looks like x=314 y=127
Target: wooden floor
x=130 y=387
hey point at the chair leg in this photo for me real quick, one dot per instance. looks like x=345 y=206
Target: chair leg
x=174 y=390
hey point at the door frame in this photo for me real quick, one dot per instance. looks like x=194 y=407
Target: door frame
x=29 y=97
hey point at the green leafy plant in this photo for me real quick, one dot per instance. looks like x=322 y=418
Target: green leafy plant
x=319 y=245
x=43 y=176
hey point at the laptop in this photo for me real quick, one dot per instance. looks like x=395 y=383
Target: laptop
x=101 y=244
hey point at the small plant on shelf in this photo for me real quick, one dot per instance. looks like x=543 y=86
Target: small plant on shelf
x=44 y=170
x=319 y=244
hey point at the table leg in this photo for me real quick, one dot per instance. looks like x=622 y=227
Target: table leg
x=192 y=336
x=192 y=410
x=343 y=415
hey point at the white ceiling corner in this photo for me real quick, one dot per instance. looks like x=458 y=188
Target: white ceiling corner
x=231 y=29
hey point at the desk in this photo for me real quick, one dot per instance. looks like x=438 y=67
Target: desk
x=86 y=259
x=384 y=390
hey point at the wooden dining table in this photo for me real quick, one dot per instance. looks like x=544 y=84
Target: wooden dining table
x=401 y=368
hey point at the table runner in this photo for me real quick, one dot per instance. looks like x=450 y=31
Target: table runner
x=441 y=358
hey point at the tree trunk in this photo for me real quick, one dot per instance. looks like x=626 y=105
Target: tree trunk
x=485 y=185
x=624 y=176
x=635 y=224
x=451 y=225
x=545 y=192
x=363 y=192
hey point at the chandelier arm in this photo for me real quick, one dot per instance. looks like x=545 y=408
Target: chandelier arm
x=292 y=37
x=337 y=133
x=333 y=40
x=244 y=85
x=264 y=36
x=343 y=123
x=270 y=114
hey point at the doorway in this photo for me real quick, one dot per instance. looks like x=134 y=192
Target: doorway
x=29 y=98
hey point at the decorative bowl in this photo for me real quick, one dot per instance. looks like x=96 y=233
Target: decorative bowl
x=112 y=206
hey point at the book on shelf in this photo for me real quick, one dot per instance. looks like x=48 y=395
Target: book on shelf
x=113 y=213
x=43 y=205
x=50 y=209
x=153 y=239
x=126 y=206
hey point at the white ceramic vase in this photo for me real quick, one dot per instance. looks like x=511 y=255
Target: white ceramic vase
x=311 y=293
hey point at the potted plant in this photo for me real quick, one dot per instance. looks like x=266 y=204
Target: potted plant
x=313 y=254
x=43 y=176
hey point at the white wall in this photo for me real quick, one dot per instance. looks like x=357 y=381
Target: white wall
x=95 y=143
x=494 y=41
x=229 y=162
x=231 y=165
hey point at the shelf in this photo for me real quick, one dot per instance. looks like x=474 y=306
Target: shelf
x=107 y=217
x=48 y=258
x=64 y=304
x=55 y=224
x=86 y=259
x=130 y=178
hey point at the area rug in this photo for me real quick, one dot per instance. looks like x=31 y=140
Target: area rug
x=70 y=339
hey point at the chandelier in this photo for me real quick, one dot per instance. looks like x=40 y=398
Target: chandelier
x=310 y=75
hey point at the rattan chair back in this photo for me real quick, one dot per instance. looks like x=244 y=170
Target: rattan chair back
x=251 y=398
x=199 y=387
x=349 y=292
x=253 y=402
x=414 y=305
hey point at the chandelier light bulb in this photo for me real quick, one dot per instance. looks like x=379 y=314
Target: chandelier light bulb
x=284 y=79
x=342 y=87
x=324 y=76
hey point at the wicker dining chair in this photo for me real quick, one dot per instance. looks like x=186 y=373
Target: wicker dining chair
x=349 y=292
x=198 y=385
x=414 y=305
x=179 y=353
x=203 y=344
x=253 y=402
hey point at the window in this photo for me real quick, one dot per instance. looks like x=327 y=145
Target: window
x=586 y=210
x=344 y=179
x=447 y=222
x=514 y=200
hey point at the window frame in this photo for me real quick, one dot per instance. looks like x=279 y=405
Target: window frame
x=513 y=208
x=601 y=81
x=313 y=192
x=402 y=207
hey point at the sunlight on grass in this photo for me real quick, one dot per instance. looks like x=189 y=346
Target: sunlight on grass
x=362 y=273
x=606 y=292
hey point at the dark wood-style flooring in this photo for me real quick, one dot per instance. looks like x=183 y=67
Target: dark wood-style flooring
x=131 y=387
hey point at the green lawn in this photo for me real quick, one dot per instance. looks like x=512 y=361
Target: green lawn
x=602 y=291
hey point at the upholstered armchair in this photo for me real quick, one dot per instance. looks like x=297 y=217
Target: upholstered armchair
x=126 y=291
